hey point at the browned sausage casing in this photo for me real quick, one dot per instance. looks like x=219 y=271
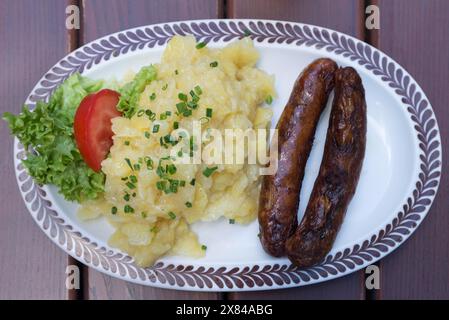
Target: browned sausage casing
x=279 y=196
x=338 y=176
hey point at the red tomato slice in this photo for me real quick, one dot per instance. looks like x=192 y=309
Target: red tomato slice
x=93 y=127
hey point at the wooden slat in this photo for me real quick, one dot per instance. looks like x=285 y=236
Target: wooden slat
x=346 y=16
x=349 y=287
x=33 y=38
x=102 y=17
x=102 y=286
x=415 y=33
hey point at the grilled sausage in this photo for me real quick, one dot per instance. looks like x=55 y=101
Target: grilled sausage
x=279 y=196
x=338 y=175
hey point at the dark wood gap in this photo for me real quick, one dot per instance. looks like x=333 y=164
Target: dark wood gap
x=72 y=294
x=74 y=35
x=371 y=37
x=73 y=42
x=224 y=9
x=77 y=294
x=81 y=30
x=85 y=282
x=372 y=294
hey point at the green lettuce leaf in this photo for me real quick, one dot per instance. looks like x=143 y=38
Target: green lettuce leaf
x=47 y=134
x=130 y=92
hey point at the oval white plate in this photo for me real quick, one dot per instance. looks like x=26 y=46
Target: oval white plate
x=399 y=179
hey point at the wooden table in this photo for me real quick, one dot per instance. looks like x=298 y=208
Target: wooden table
x=33 y=37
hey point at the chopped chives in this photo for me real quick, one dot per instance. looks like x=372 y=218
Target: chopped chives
x=149 y=163
x=173 y=186
x=167 y=138
x=175 y=125
x=192 y=104
x=147 y=134
x=126 y=143
x=136 y=167
x=187 y=113
x=130 y=185
x=171 y=189
x=134 y=194
x=208 y=171
x=195 y=98
x=182 y=97
x=151 y=115
x=172 y=215
x=133 y=179
x=188 y=204
x=269 y=100
x=156 y=128
x=160 y=185
x=191 y=144
x=153 y=96
x=231 y=221
x=200 y=45
x=179 y=153
x=163 y=116
x=209 y=112
x=171 y=169
x=181 y=107
x=165 y=87
x=176 y=72
x=182 y=183
x=140 y=112
x=153 y=229
x=124 y=178
x=160 y=171
x=128 y=209
x=192 y=182
x=126 y=197
x=203 y=247
x=114 y=210
x=144 y=214
x=213 y=64
x=198 y=90
x=129 y=163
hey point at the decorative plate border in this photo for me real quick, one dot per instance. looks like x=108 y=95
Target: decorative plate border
x=255 y=277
